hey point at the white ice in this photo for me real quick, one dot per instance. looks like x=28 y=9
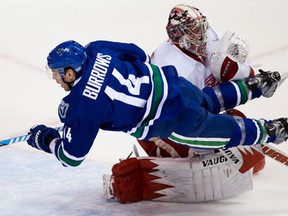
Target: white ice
x=35 y=183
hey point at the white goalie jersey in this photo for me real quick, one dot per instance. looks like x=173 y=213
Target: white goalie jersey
x=186 y=65
x=226 y=60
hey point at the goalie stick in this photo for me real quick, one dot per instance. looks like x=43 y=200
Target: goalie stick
x=275 y=154
x=266 y=149
x=22 y=138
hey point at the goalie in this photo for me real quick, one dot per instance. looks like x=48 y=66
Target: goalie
x=204 y=59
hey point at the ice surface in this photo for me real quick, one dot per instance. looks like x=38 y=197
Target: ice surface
x=35 y=183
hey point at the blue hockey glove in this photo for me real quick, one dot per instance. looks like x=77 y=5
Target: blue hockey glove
x=41 y=136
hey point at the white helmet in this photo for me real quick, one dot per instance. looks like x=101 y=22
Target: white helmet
x=187 y=28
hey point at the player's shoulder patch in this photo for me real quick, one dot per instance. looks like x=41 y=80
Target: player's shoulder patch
x=63 y=109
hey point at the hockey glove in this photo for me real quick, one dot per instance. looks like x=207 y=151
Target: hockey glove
x=41 y=136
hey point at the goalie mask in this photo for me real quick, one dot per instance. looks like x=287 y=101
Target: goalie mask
x=187 y=28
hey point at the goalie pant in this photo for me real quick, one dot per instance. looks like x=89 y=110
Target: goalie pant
x=202 y=178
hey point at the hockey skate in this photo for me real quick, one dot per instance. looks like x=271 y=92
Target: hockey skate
x=267 y=81
x=278 y=128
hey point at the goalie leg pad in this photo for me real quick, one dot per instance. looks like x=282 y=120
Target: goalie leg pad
x=202 y=178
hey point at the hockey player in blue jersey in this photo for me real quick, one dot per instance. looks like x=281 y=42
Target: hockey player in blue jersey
x=113 y=86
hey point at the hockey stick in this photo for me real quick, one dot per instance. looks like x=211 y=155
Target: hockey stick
x=267 y=150
x=22 y=138
x=275 y=154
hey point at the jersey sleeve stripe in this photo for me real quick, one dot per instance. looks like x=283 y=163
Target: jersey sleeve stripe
x=67 y=159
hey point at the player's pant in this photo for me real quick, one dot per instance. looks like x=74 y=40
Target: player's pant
x=201 y=125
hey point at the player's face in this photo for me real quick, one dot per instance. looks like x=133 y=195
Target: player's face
x=56 y=76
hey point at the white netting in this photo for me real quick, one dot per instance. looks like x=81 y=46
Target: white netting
x=234 y=46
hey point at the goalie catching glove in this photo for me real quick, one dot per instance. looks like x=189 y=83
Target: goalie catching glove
x=228 y=61
x=41 y=137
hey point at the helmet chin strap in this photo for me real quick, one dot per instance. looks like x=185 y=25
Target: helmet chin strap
x=69 y=84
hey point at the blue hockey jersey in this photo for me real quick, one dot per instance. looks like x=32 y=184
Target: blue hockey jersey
x=118 y=91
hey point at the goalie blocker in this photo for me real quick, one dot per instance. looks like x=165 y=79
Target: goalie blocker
x=204 y=177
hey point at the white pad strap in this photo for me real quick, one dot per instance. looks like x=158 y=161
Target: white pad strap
x=162 y=144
